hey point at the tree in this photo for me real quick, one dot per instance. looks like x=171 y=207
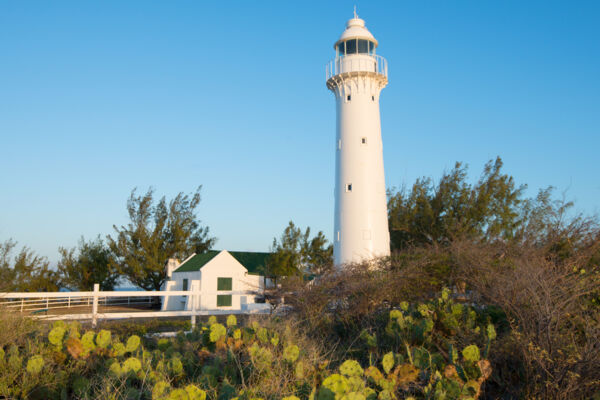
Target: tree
x=157 y=232
x=296 y=253
x=550 y=223
x=6 y=271
x=318 y=255
x=434 y=214
x=89 y=263
x=26 y=272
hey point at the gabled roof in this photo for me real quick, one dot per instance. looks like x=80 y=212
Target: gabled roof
x=197 y=261
x=254 y=262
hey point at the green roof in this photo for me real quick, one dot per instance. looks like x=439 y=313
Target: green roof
x=254 y=262
x=197 y=262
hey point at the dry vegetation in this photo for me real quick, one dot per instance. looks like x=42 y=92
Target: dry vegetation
x=543 y=300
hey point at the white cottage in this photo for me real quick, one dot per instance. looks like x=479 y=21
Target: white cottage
x=226 y=280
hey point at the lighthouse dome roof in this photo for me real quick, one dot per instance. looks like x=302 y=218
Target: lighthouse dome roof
x=355 y=29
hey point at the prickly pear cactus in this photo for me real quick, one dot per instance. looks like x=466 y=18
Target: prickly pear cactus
x=195 y=393
x=471 y=353
x=118 y=349
x=56 y=336
x=217 y=332
x=291 y=353
x=132 y=364
x=159 y=389
x=133 y=343
x=227 y=361
x=103 y=339
x=231 y=321
x=35 y=365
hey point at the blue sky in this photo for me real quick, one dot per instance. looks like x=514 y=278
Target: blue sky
x=97 y=98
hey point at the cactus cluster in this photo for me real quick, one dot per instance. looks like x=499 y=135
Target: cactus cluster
x=226 y=361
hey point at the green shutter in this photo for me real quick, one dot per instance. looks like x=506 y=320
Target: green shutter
x=224 y=300
x=224 y=283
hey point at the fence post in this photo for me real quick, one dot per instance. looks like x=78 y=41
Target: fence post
x=95 y=305
x=192 y=298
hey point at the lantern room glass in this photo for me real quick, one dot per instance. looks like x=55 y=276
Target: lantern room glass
x=363 y=46
x=351 y=46
x=355 y=46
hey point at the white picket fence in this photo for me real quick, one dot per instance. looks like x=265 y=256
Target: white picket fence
x=50 y=303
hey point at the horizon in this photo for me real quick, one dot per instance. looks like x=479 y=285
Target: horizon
x=98 y=99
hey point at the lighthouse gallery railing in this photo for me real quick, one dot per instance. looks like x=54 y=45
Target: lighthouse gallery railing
x=370 y=63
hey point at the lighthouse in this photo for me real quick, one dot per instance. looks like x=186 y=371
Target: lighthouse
x=356 y=77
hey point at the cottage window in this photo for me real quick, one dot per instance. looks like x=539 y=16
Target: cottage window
x=224 y=300
x=224 y=284
x=185 y=285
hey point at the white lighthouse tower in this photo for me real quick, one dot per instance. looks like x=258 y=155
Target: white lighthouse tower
x=356 y=77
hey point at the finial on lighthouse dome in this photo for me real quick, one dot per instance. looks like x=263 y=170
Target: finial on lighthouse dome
x=355 y=29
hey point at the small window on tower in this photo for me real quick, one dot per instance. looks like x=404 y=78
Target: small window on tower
x=363 y=140
x=373 y=98
x=348 y=187
x=348 y=98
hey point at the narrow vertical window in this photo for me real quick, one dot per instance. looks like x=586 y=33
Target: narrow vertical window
x=348 y=98
x=348 y=187
x=373 y=98
x=185 y=285
x=339 y=144
x=363 y=140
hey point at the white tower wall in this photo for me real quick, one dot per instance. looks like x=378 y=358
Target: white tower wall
x=361 y=226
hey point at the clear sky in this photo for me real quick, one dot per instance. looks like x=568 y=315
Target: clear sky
x=97 y=98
